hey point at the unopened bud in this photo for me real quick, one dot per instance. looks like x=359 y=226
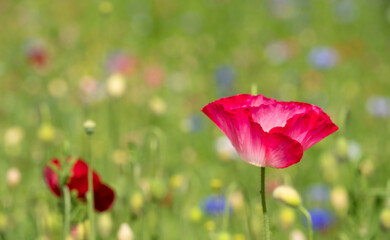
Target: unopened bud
x=136 y=202
x=339 y=200
x=297 y=235
x=13 y=177
x=105 y=224
x=89 y=127
x=287 y=195
x=125 y=232
x=384 y=219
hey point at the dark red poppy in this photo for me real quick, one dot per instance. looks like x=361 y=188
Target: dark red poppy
x=78 y=180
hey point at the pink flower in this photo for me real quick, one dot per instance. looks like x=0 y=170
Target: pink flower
x=269 y=133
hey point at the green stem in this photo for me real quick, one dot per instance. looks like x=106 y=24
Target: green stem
x=309 y=223
x=267 y=232
x=67 y=208
x=90 y=197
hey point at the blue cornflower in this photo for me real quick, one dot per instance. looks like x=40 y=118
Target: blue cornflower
x=322 y=219
x=215 y=205
x=323 y=57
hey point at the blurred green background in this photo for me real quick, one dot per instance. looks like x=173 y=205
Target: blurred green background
x=142 y=70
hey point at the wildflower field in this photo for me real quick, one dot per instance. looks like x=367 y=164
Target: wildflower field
x=201 y=119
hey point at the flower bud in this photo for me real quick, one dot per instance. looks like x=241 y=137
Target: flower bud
x=116 y=85
x=297 y=235
x=384 y=219
x=13 y=136
x=105 y=225
x=342 y=147
x=136 y=202
x=157 y=106
x=13 y=177
x=367 y=168
x=89 y=127
x=125 y=232
x=339 y=200
x=287 y=195
x=236 y=200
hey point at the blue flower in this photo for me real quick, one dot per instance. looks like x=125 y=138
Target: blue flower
x=215 y=205
x=323 y=57
x=321 y=219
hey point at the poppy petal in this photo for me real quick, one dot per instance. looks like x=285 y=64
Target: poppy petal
x=278 y=113
x=253 y=144
x=79 y=180
x=240 y=101
x=103 y=197
x=51 y=177
x=308 y=128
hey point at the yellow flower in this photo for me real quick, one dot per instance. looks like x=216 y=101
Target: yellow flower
x=46 y=133
x=210 y=225
x=196 y=214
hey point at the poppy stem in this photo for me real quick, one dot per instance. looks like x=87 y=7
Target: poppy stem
x=67 y=208
x=309 y=223
x=90 y=193
x=267 y=232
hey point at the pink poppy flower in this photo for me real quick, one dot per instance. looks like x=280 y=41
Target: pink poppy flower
x=103 y=195
x=269 y=133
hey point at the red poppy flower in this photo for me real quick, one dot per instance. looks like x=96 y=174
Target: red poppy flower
x=38 y=57
x=78 y=180
x=269 y=133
